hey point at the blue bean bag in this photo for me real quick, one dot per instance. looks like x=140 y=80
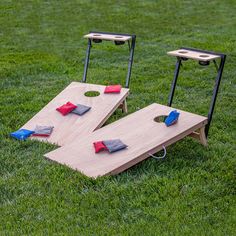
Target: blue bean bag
x=172 y=118
x=21 y=134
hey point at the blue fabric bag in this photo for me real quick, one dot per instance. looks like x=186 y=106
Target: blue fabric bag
x=21 y=134
x=172 y=118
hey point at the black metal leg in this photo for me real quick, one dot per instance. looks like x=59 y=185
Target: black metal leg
x=87 y=61
x=215 y=92
x=131 y=57
x=177 y=67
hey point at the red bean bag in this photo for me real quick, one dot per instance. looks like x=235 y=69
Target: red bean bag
x=113 y=145
x=99 y=146
x=113 y=89
x=66 y=108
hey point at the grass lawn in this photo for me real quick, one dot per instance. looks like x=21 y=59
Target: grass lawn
x=191 y=192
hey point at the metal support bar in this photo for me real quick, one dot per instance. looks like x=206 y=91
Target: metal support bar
x=131 y=58
x=87 y=61
x=216 y=66
x=215 y=92
x=176 y=74
x=129 y=45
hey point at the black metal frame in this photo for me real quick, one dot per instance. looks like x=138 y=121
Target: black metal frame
x=131 y=56
x=216 y=87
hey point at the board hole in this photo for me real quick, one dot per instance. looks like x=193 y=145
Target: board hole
x=118 y=37
x=96 y=34
x=160 y=119
x=91 y=94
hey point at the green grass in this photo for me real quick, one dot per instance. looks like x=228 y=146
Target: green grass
x=191 y=192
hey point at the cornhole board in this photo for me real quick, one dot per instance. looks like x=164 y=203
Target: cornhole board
x=67 y=128
x=142 y=134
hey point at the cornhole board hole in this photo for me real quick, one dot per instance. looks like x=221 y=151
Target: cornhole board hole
x=142 y=131
x=67 y=128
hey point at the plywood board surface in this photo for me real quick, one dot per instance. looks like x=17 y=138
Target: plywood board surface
x=66 y=128
x=110 y=37
x=199 y=56
x=139 y=131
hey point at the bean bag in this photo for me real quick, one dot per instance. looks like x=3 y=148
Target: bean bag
x=114 y=145
x=43 y=131
x=172 y=118
x=113 y=89
x=21 y=134
x=81 y=109
x=66 y=108
x=109 y=145
x=99 y=146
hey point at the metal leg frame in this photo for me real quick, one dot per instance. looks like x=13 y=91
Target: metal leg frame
x=131 y=58
x=87 y=60
x=176 y=74
x=215 y=91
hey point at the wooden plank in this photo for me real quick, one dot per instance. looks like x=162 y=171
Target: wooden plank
x=139 y=131
x=199 y=56
x=109 y=37
x=200 y=136
x=66 y=128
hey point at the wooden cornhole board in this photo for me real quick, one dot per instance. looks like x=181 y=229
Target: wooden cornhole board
x=139 y=131
x=67 y=128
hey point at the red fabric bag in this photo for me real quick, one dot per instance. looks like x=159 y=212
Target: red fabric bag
x=113 y=89
x=41 y=135
x=99 y=146
x=66 y=108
